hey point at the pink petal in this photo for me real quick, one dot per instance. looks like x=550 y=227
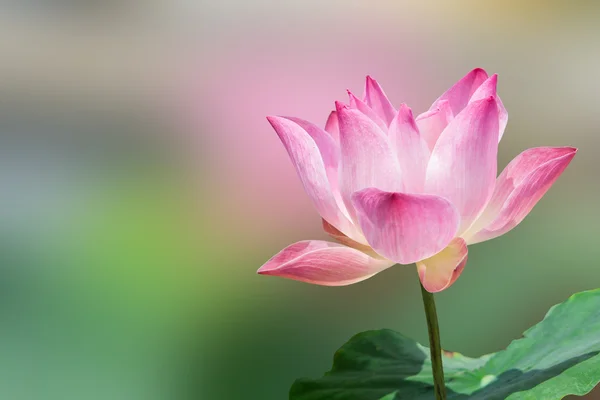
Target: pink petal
x=405 y=228
x=443 y=269
x=311 y=169
x=488 y=88
x=328 y=148
x=332 y=126
x=462 y=167
x=378 y=101
x=323 y=263
x=367 y=160
x=458 y=95
x=432 y=123
x=518 y=189
x=358 y=104
x=411 y=149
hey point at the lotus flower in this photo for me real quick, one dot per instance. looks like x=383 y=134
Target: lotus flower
x=394 y=189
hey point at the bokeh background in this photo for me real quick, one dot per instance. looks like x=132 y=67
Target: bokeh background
x=141 y=186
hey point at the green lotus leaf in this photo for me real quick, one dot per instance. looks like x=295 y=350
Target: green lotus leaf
x=557 y=357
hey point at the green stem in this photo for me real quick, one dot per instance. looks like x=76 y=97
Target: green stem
x=434 y=344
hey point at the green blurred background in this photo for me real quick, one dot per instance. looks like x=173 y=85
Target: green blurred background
x=141 y=187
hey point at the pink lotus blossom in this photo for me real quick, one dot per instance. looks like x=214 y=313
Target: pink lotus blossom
x=394 y=189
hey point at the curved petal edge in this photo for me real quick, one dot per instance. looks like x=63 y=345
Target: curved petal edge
x=405 y=228
x=411 y=149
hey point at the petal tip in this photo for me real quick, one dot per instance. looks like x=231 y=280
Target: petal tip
x=266 y=269
x=404 y=107
x=274 y=120
x=479 y=71
x=570 y=152
x=339 y=106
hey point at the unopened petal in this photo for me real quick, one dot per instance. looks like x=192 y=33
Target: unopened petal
x=323 y=263
x=433 y=122
x=443 y=269
x=332 y=126
x=463 y=164
x=488 y=88
x=411 y=149
x=405 y=228
x=458 y=96
x=518 y=189
x=364 y=108
x=378 y=101
x=367 y=159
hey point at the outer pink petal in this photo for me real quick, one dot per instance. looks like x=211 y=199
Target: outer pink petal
x=358 y=104
x=431 y=123
x=405 y=228
x=518 y=189
x=378 y=101
x=463 y=164
x=328 y=147
x=311 y=169
x=332 y=126
x=458 y=95
x=323 y=263
x=411 y=149
x=443 y=269
x=488 y=88
x=367 y=159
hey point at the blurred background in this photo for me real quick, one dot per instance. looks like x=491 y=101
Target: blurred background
x=141 y=186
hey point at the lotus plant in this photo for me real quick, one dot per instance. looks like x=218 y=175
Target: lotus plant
x=393 y=188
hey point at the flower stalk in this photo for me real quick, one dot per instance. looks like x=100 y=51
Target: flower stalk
x=434 y=344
